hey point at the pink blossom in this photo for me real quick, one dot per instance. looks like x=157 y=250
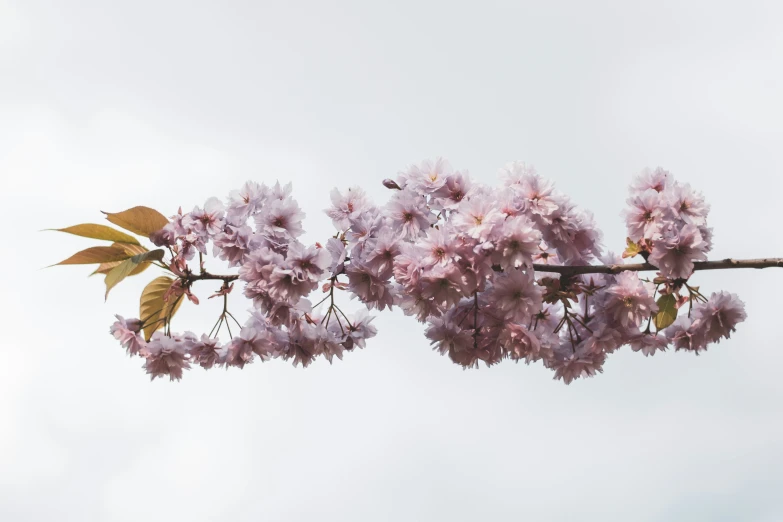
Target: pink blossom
x=245 y=202
x=674 y=251
x=336 y=249
x=307 y=263
x=438 y=247
x=207 y=221
x=166 y=356
x=327 y=341
x=285 y=285
x=380 y=257
x=360 y=329
x=683 y=336
x=444 y=285
x=233 y=244
x=427 y=177
x=520 y=343
x=448 y=336
x=409 y=214
x=409 y=265
x=414 y=303
x=206 y=352
x=259 y=265
x=301 y=345
x=516 y=296
x=127 y=332
x=516 y=174
x=648 y=343
x=347 y=207
x=242 y=349
x=476 y=217
x=537 y=193
x=368 y=287
x=585 y=244
x=644 y=217
x=629 y=301
x=546 y=256
x=719 y=316
x=706 y=236
x=364 y=228
x=687 y=205
x=570 y=363
x=280 y=192
x=517 y=244
x=189 y=245
x=657 y=180
x=280 y=219
x=456 y=188
x=166 y=236
x=603 y=339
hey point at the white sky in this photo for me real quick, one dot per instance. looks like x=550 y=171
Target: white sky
x=107 y=105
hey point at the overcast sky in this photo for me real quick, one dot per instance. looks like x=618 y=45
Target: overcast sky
x=108 y=105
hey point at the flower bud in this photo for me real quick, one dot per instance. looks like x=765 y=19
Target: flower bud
x=391 y=184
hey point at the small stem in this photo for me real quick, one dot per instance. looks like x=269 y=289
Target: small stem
x=234 y=318
x=578 y=320
x=345 y=316
x=475 y=320
x=228 y=327
x=320 y=302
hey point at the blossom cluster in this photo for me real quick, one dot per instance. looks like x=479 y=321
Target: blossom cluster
x=669 y=220
x=466 y=259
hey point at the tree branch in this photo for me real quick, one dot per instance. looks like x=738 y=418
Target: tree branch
x=206 y=276
x=587 y=269
x=642 y=267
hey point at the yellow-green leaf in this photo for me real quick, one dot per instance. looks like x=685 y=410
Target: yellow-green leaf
x=132 y=250
x=139 y=220
x=118 y=273
x=96 y=255
x=135 y=250
x=98 y=232
x=632 y=248
x=127 y=267
x=139 y=269
x=152 y=308
x=105 y=268
x=667 y=311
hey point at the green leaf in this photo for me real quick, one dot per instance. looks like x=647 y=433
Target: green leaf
x=97 y=255
x=152 y=307
x=667 y=311
x=98 y=232
x=139 y=220
x=126 y=268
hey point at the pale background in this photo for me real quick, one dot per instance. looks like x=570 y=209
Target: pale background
x=107 y=105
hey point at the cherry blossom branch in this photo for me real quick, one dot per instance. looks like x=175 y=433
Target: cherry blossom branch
x=642 y=267
x=587 y=269
x=439 y=241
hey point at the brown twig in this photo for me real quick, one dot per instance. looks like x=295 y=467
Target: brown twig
x=642 y=267
x=587 y=269
x=206 y=276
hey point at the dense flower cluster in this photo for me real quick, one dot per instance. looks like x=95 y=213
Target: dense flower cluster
x=670 y=222
x=458 y=256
